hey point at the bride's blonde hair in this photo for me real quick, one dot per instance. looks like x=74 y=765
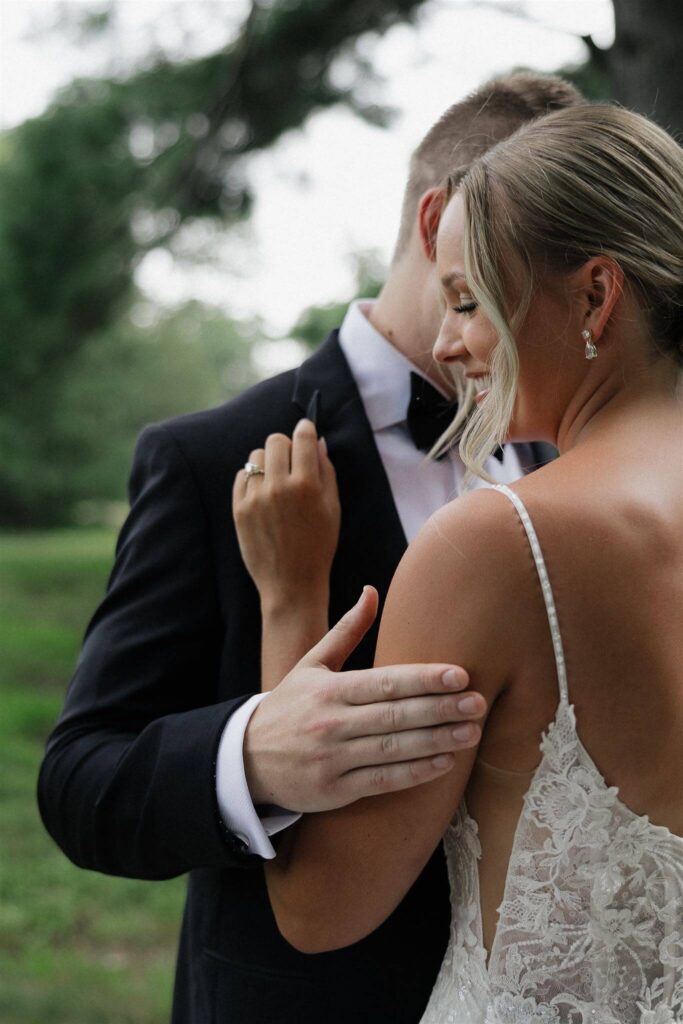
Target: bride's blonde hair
x=586 y=181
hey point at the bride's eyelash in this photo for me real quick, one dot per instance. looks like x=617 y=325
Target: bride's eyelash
x=467 y=307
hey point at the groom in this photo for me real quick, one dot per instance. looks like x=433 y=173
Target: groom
x=164 y=748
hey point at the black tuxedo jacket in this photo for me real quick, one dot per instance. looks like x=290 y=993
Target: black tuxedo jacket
x=127 y=786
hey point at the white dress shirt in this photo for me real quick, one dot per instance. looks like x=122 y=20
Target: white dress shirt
x=419 y=486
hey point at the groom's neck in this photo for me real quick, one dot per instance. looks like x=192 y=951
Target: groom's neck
x=407 y=312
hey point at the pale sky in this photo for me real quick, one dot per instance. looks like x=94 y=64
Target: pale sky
x=330 y=189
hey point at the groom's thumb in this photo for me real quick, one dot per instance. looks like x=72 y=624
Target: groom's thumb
x=336 y=646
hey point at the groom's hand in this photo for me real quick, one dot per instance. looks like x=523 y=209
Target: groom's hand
x=324 y=738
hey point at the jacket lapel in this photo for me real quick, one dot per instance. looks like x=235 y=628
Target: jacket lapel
x=372 y=540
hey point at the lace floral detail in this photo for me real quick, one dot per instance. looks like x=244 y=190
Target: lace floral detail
x=462 y=986
x=590 y=929
x=509 y=1009
x=591 y=923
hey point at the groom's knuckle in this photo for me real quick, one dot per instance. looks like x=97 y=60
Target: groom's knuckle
x=391 y=715
x=435 y=739
x=447 y=709
x=346 y=689
x=426 y=680
x=325 y=780
x=332 y=690
x=378 y=779
x=325 y=686
x=388 y=743
x=322 y=727
x=386 y=685
x=330 y=728
x=321 y=755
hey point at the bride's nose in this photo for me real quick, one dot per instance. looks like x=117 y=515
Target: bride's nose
x=448 y=345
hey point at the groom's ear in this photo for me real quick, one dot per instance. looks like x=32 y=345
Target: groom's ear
x=429 y=211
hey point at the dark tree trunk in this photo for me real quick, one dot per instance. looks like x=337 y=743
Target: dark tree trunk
x=645 y=62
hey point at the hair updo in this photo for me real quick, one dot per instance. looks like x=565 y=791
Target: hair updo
x=590 y=180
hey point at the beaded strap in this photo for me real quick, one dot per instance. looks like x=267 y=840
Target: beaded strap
x=545 y=587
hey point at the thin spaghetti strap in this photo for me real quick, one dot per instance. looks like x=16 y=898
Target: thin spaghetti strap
x=545 y=587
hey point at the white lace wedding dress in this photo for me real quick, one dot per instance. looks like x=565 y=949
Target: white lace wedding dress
x=590 y=928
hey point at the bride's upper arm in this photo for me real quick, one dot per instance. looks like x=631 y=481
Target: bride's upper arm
x=452 y=597
x=350 y=868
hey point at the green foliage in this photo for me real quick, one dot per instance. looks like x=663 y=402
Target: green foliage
x=316 y=322
x=163 y=145
x=66 y=199
x=129 y=376
x=123 y=378
x=592 y=78
x=74 y=946
x=204 y=115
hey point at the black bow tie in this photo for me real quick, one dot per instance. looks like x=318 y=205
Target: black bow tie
x=430 y=414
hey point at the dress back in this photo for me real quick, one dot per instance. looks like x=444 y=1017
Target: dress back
x=590 y=930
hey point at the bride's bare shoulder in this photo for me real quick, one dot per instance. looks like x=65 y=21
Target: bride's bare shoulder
x=473 y=530
x=475 y=549
x=451 y=592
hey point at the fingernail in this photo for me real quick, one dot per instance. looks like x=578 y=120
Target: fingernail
x=468 y=704
x=442 y=761
x=455 y=679
x=323 y=445
x=462 y=732
x=303 y=424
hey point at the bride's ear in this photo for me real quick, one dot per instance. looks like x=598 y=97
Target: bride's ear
x=599 y=287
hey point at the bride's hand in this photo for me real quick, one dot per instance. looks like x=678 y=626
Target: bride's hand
x=288 y=519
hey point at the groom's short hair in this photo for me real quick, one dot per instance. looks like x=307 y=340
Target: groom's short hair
x=469 y=128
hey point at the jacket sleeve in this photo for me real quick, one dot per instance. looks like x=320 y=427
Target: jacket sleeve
x=127 y=784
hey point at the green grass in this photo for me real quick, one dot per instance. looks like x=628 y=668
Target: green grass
x=75 y=947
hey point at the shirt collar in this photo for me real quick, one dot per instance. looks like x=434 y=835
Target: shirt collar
x=381 y=372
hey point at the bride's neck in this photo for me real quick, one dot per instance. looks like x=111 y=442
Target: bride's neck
x=640 y=398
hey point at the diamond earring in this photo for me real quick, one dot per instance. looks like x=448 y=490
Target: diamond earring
x=591 y=350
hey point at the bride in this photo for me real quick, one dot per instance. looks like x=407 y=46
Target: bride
x=561 y=260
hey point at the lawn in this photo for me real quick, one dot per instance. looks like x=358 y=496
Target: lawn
x=75 y=947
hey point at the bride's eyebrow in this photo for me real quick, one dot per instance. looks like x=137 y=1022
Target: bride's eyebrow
x=455 y=275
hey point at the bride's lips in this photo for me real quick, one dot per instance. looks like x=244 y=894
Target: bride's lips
x=481 y=395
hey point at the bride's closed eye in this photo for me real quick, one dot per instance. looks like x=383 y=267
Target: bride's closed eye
x=466 y=307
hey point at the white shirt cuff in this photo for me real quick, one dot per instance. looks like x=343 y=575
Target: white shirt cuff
x=234 y=800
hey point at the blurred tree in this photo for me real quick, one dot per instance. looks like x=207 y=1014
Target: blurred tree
x=159 y=147
x=640 y=68
x=116 y=165
x=144 y=367
x=643 y=64
x=186 y=360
